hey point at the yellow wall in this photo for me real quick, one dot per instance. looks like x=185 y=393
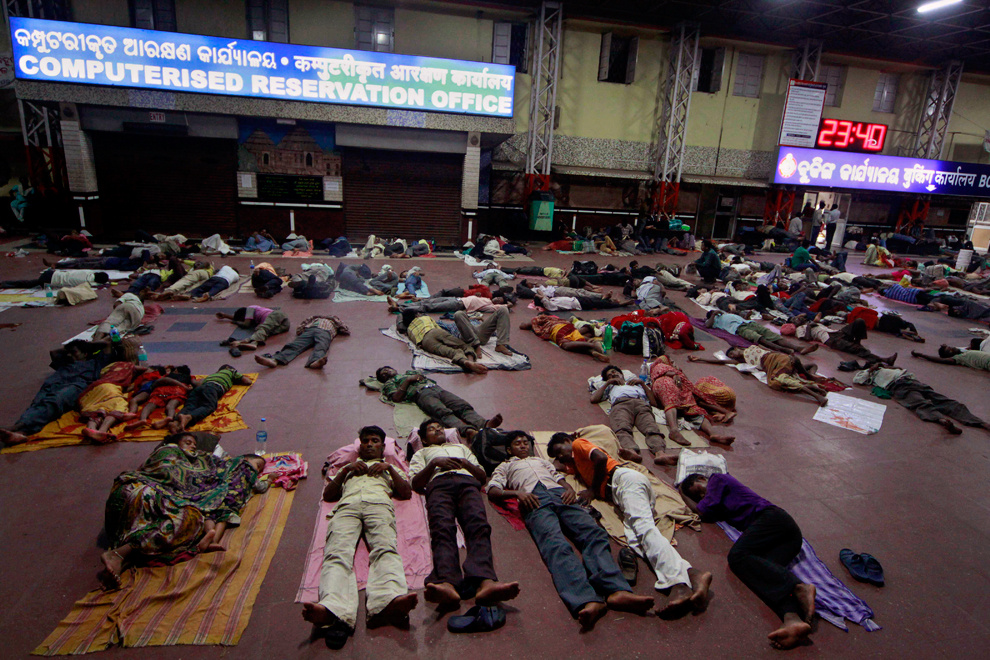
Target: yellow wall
x=220 y=19
x=102 y=12
x=970 y=118
x=593 y=109
x=437 y=35
x=321 y=23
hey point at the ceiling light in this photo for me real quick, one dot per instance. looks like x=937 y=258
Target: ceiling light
x=937 y=4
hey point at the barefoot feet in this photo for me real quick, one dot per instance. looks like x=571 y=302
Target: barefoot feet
x=805 y=594
x=491 y=592
x=665 y=460
x=589 y=614
x=700 y=583
x=630 y=455
x=265 y=361
x=678 y=604
x=504 y=350
x=793 y=632
x=494 y=422
x=396 y=613
x=319 y=364
x=626 y=601
x=441 y=593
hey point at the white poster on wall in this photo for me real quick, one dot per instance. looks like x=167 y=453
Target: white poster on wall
x=802 y=113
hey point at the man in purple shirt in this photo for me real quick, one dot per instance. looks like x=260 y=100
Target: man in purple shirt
x=769 y=543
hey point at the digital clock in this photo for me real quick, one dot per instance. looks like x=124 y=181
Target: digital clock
x=845 y=135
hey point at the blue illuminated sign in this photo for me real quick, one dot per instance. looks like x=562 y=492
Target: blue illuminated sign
x=57 y=51
x=838 y=169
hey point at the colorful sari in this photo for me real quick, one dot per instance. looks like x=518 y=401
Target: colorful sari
x=161 y=509
x=675 y=390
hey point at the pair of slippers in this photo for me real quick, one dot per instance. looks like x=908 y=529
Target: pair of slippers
x=850 y=365
x=480 y=618
x=863 y=567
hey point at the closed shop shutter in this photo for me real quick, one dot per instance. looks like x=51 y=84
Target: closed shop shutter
x=167 y=185
x=402 y=194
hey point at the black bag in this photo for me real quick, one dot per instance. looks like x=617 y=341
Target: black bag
x=585 y=268
x=629 y=339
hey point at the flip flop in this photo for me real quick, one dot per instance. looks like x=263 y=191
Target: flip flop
x=874 y=570
x=855 y=563
x=479 y=618
x=629 y=565
x=235 y=352
x=335 y=636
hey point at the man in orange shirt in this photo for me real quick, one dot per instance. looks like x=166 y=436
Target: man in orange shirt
x=632 y=493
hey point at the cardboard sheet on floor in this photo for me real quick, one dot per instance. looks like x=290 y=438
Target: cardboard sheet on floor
x=848 y=412
x=669 y=509
x=343 y=295
x=204 y=601
x=66 y=431
x=488 y=356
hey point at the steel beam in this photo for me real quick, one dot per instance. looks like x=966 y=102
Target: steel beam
x=937 y=110
x=543 y=100
x=808 y=60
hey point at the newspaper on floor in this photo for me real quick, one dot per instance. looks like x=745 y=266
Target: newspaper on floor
x=847 y=412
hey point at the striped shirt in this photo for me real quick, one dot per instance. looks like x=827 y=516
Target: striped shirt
x=903 y=294
x=331 y=324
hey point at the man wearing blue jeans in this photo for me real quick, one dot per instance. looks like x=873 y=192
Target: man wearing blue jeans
x=549 y=509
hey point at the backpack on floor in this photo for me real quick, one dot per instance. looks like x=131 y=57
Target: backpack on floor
x=655 y=339
x=585 y=268
x=629 y=339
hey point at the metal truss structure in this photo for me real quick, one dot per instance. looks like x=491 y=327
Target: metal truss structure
x=937 y=110
x=543 y=99
x=808 y=60
x=674 y=93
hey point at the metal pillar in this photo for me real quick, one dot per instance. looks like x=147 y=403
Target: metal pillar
x=543 y=100
x=937 y=110
x=40 y=122
x=675 y=108
x=808 y=60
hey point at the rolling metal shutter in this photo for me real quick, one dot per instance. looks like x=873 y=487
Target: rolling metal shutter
x=167 y=184
x=402 y=194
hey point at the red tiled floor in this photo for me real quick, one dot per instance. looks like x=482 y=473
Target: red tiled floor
x=911 y=495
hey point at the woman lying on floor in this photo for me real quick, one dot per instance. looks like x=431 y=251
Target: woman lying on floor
x=176 y=505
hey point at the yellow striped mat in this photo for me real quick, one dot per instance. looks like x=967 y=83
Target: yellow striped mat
x=204 y=601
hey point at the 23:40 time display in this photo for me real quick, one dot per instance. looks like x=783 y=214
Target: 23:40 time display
x=845 y=135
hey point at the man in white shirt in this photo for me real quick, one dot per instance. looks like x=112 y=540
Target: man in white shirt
x=363 y=491
x=548 y=506
x=632 y=408
x=817 y=218
x=831 y=223
x=450 y=477
x=223 y=279
x=58 y=279
x=796 y=226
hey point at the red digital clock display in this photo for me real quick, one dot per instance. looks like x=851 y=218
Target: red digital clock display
x=845 y=135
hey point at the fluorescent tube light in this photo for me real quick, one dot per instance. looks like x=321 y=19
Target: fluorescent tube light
x=937 y=4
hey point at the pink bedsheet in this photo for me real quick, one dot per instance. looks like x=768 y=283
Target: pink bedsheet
x=411 y=524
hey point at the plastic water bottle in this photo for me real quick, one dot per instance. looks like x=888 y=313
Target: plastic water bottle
x=644 y=371
x=142 y=355
x=114 y=334
x=252 y=264
x=261 y=439
x=48 y=291
x=607 y=338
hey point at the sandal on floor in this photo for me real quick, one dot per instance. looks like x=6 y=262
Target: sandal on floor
x=479 y=618
x=629 y=565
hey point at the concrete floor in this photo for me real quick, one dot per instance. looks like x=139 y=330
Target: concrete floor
x=911 y=495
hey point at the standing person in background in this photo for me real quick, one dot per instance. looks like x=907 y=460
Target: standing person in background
x=831 y=223
x=807 y=220
x=817 y=218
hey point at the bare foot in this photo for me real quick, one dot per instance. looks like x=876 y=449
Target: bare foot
x=319 y=364
x=442 y=593
x=396 y=613
x=805 y=594
x=678 y=605
x=113 y=565
x=601 y=357
x=265 y=361
x=504 y=350
x=700 y=583
x=135 y=424
x=679 y=438
x=630 y=455
x=890 y=361
x=665 y=460
x=115 y=293
x=589 y=614
x=476 y=368
x=495 y=592
x=202 y=299
x=161 y=423
x=790 y=634
x=950 y=426
x=722 y=439
x=219 y=315
x=246 y=345
x=318 y=614
x=494 y=422
x=206 y=544
x=9 y=438
x=626 y=601
x=811 y=348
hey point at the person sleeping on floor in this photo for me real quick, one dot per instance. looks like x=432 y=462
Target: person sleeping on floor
x=179 y=503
